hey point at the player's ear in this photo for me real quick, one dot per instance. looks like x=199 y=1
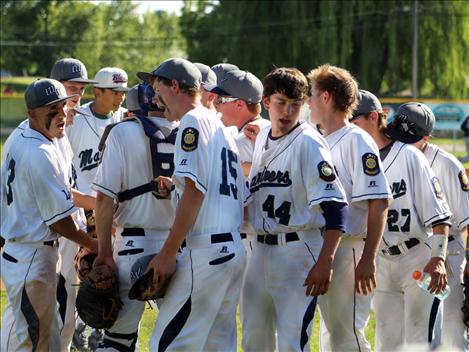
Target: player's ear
x=175 y=85
x=374 y=115
x=266 y=102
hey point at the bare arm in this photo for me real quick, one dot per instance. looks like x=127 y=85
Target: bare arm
x=320 y=275
x=68 y=228
x=436 y=265
x=104 y=217
x=81 y=200
x=365 y=272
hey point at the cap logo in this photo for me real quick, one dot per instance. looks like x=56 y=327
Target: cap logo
x=76 y=69
x=51 y=90
x=402 y=121
x=118 y=78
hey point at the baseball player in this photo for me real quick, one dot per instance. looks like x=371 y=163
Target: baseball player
x=345 y=309
x=143 y=220
x=208 y=78
x=208 y=185
x=455 y=185
x=222 y=68
x=294 y=192
x=91 y=120
x=404 y=312
x=36 y=209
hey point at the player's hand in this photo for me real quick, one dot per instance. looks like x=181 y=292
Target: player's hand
x=365 y=276
x=319 y=278
x=436 y=269
x=93 y=245
x=164 y=186
x=163 y=267
x=251 y=131
x=106 y=260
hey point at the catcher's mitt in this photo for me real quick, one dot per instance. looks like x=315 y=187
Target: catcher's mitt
x=465 y=307
x=143 y=288
x=84 y=262
x=98 y=302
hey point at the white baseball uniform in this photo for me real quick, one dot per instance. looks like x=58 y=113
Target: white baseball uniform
x=290 y=177
x=344 y=313
x=142 y=222
x=67 y=276
x=453 y=180
x=403 y=310
x=84 y=135
x=36 y=194
x=209 y=270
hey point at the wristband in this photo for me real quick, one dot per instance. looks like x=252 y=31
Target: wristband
x=439 y=246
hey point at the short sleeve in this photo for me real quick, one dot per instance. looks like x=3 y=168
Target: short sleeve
x=456 y=190
x=191 y=157
x=108 y=178
x=50 y=186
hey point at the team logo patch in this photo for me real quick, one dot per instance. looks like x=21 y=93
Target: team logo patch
x=326 y=172
x=190 y=138
x=437 y=188
x=370 y=164
x=464 y=180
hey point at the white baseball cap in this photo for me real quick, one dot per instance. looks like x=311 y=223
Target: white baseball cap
x=112 y=78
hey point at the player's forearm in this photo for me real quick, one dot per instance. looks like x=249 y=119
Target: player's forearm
x=377 y=215
x=69 y=229
x=186 y=215
x=329 y=247
x=104 y=216
x=81 y=200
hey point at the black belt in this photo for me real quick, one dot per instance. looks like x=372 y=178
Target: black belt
x=49 y=243
x=394 y=250
x=273 y=239
x=451 y=238
x=243 y=235
x=216 y=238
x=133 y=231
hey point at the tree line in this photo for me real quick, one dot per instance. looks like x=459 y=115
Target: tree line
x=372 y=39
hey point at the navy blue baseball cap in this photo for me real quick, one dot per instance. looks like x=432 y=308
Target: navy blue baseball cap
x=70 y=70
x=44 y=92
x=179 y=69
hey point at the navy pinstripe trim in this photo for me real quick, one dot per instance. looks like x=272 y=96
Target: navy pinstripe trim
x=89 y=125
x=59 y=214
x=345 y=134
x=28 y=311
x=288 y=146
x=434 y=157
x=307 y=319
x=432 y=318
x=370 y=194
x=22 y=135
x=196 y=179
x=462 y=221
x=402 y=146
x=443 y=217
x=331 y=197
x=107 y=189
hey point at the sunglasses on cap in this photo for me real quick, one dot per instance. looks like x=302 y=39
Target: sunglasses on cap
x=224 y=100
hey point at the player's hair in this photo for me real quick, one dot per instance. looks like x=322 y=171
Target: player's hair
x=284 y=80
x=192 y=91
x=382 y=119
x=339 y=83
x=254 y=108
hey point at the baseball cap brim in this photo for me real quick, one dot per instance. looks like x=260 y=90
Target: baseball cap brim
x=81 y=80
x=145 y=76
x=404 y=137
x=213 y=88
x=60 y=99
x=117 y=89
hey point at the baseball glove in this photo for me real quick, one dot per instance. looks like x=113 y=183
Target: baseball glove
x=465 y=308
x=143 y=288
x=84 y=262
x=98 y=302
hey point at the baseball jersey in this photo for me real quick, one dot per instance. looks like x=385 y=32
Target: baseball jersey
x=36 y=191
x=289 y=180
x=128 y=165
x=455 y=184
x=244 y=144
x=84 y=136
x=418 y=198
x=206 y=153
x=356 y=158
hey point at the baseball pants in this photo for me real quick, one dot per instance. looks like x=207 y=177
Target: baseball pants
x=274 y=297
x=344 y=313
x=198 y=312
x=29 y=276
x=127 y=249
x=405 y=313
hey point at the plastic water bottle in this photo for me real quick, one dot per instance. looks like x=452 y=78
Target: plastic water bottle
x=423 y=281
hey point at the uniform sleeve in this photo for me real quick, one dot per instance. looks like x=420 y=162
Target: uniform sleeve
x=108 y=178
x=428 y=195
x=319 y=175
x=369 y=181
x=191 y=157
x=50 y=186
x=245 y=148
x=456 y=190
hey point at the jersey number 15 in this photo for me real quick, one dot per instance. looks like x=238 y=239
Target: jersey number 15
x=227 y=160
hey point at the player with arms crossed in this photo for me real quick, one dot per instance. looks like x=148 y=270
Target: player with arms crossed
x=404 y=313
x=345 y=309
x=36 y=209
x=294 y=192
x=209 y=185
